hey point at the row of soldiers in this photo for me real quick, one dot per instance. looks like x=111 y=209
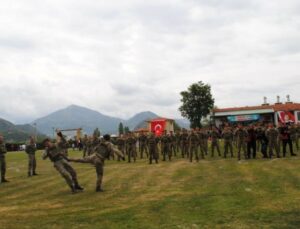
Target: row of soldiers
x=195 y=143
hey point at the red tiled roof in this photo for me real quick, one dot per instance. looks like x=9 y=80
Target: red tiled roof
x=275 y=107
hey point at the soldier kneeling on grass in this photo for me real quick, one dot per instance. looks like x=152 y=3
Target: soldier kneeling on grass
x=62 y=165
x=102 y=151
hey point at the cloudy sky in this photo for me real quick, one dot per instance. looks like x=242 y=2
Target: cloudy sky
x=124 y=56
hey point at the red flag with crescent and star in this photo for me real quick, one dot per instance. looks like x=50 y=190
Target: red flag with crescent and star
x=158 y=126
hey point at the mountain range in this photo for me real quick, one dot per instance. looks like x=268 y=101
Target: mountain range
x=80 y=117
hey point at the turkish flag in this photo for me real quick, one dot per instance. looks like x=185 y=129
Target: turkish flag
x=286 y=117
x=158 y=126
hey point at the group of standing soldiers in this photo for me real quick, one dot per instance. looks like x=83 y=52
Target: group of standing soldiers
x=196 y=143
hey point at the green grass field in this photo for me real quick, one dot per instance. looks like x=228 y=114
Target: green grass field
x=213 y=193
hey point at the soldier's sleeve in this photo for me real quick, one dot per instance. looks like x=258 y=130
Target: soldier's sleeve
x=45 y=154
x=115 y=150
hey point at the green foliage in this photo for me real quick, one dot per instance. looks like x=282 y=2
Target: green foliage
x=126 y=130
x=197 y=103
x=176 y=127
x=121 y=128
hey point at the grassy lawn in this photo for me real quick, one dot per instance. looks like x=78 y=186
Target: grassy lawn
x=213 y=193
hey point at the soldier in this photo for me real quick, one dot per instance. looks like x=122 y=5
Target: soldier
x=30 y=150
x=143 y=144
x=60 y=162
x=89 y=145
x=193 y=145
x=178 y=145
x=2 y=159
x=165 y=146
x=131 y=144
x=241 y=137
x=184 y=143
x=259 y=134
x=293 y=133
x=62 y=143
x=121 y=145
x=286 y=139
x=173 y=144
x=101 y=152
x=298 y=134
x=204 y=141
x=214 y=134
x=85 y=145
x=228 y=137
x=251 y=141
x=153 y=148
x=272 y=135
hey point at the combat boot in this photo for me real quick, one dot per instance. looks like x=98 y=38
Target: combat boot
x=29 y=174
x=99 y=189
x=3 y=180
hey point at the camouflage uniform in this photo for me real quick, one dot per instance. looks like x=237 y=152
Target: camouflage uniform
x=30 y=150
x=177 y=136
x=272 y=135
x=214 y=142
x=194 y=141
x=121 y=145
x=204 y=141
x=293 y=133
x=184 y=144
x=165 y=147
x=153 y=148
x=173 y=144
x=63 y=146
x=131 y=144
x=2 y=161
x=241 y=137
x=62 y=166
x=143 y=145
x=227 y=136
x=85 y=145
x=102 y=151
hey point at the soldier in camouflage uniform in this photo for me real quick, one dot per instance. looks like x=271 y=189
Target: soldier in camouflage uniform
x=214 y=134
x=184 y=143
x=121 y=145
x=131 y=144
x=30 y=150
x=61 y=164
x=178 y=145
x=241 y=137
x=272 y=135
x=228 y=137
x=143 y=145
x=85 y=145
x=193 y=145
x=298 y=134
x=293 y=133
x=2 y=160
x=62 y=143
x=204 y=141
x=101 y=152
x=153 y=148
x=165 y=146
x=173 y=143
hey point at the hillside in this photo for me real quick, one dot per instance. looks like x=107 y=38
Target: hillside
x=16 y=133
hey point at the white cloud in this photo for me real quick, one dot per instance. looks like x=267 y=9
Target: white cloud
x=122 y=57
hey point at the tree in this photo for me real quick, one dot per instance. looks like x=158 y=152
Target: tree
x=121 y=128
x=197 y=103
x=126 y=129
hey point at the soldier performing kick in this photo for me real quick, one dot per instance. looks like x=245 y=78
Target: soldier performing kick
x=101 y=152
x=62 y=165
